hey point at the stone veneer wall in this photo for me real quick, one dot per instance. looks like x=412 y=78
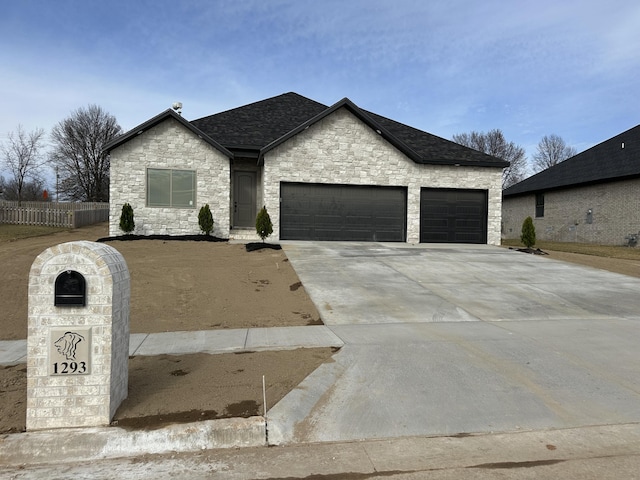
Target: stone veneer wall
x=341 y=149
x=615 y=210
x=79 y=400
x=169 y=145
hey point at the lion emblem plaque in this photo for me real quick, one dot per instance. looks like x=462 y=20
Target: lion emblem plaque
x=69 y=351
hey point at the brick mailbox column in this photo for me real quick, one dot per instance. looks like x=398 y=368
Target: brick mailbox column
x=78 y=336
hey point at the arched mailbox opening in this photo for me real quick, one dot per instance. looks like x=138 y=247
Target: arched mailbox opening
x=70 y=290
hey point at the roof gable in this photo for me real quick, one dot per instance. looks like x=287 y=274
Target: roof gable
x=134 y=132
x=419 y=146
x=349 y=105
x=613 y=159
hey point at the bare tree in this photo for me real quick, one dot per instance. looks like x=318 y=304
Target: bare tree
x=22 y=157
x=551 y=150
x=78 y=140
x=31 y=190
x=493 y=143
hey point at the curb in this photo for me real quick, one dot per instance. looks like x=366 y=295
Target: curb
x=86 y=444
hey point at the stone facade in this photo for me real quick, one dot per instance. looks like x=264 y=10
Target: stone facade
x=614 y=207
x=78 y=400
x=169 y=145
x=341 y=149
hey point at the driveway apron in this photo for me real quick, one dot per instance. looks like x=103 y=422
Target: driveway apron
x=451 y=339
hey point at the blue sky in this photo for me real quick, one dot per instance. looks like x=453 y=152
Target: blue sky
x=530 y=68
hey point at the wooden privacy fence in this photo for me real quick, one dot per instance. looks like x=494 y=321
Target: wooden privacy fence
x=53 y=214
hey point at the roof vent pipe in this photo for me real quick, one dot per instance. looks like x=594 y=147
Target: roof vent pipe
x=622 y=144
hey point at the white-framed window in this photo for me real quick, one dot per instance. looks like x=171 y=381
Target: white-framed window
x=171 y=188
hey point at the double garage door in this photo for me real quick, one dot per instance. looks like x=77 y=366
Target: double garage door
x=368 y=213
x=342 y=212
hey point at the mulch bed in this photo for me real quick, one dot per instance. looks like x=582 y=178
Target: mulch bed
x=533 y=251
x=190 y=238
x=252 y=247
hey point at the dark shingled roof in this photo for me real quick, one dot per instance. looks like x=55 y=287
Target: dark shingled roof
x=436 y=150
x=606 y=161
x=265 y=124
x=254 y=129
x=253 y=126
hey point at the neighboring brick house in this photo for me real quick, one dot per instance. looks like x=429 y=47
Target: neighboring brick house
x=323 y=173
x=593 y=197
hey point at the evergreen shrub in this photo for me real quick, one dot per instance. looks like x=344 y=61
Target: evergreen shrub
x=127 y=224
x=528 y=236
x=264 y=227
x=205 y=220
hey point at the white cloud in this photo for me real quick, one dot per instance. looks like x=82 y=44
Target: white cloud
x=443 y=66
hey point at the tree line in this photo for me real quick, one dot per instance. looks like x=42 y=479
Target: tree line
x=550 y=151
x=82 y=168
x=76 y=157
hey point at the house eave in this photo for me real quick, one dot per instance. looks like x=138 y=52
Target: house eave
x=239 y=152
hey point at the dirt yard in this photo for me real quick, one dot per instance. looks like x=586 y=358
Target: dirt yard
x=174 y=285
x=191 y=286
x=625 y=266
x=178 y=286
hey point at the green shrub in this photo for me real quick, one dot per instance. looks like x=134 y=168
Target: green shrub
x=127 y=225
x=205 y=220
x=528 y=237
x=264 y=227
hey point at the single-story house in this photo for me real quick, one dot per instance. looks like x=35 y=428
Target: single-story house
x=593 y=197
x=323 y=173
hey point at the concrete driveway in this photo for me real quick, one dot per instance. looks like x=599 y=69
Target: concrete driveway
x=450 y=339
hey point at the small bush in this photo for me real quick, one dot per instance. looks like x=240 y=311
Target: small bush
x=127 y=224
x=528 y=237
x=264 y=227
x=205 y=220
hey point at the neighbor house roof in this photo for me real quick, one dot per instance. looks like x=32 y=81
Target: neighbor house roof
x=254 y=129
x=615 y=159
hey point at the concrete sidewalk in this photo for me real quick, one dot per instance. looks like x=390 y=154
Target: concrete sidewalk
x=13 y=352
x=87 y=444
x=578 y=453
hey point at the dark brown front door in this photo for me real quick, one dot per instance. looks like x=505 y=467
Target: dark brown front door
x=244 y=199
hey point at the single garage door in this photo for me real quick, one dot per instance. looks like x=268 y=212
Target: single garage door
x=453 y=216
x=342 y=212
